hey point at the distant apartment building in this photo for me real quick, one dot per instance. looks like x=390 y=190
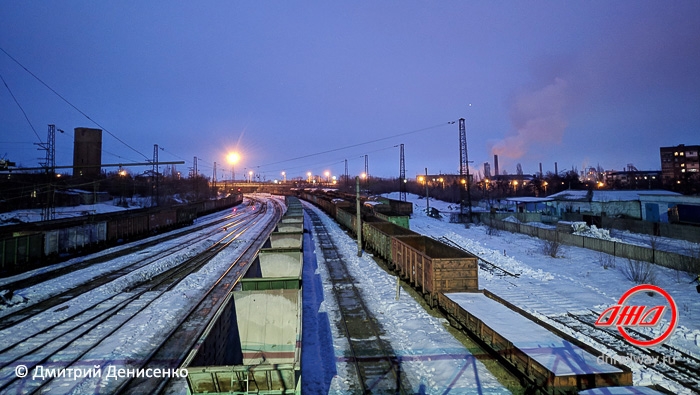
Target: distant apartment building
x=633 y=179
x=679 y=162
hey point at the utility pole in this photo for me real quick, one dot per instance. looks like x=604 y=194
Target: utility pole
x=347 y=179
x=214 y=177
x=427 y=198
x=367 y=174
x=464 y=169
x=359 y=217
x=195 y=172
x=49 y=165
x=154 y=189
x=402 y=177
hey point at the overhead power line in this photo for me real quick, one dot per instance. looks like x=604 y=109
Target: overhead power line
x=358 y=144
x=20 y=107
x=70 y=104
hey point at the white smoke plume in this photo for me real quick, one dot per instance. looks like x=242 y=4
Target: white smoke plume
x=538 y=117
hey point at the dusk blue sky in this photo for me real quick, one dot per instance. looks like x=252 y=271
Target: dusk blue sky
x=580 y=83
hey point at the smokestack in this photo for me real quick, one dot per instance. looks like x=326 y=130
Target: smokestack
x=541 y=175
x=495 y=166
x=556 y=169
x=487 y=170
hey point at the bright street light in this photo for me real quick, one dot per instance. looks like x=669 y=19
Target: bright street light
x=233 y=158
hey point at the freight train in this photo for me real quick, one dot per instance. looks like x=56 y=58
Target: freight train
x=255 y=347
x=443 y=274
x=27 y=246
x=428 y=265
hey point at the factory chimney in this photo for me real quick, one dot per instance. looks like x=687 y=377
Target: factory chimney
x=495 y=167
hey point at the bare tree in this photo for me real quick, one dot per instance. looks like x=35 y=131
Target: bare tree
x=639 y=272
x=551 y=247
x=606 y=260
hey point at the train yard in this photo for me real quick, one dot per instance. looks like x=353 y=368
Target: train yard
x=223 y=299
x=530 y=294
x=127 y=312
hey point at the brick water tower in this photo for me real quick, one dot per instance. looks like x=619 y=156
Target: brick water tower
x=87 y=152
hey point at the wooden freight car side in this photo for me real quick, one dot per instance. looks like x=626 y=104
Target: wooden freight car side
x=433 y=267
x=162 y=219
x=377 y=236
x=564 y=365
x=20 y=252
x=126 y=227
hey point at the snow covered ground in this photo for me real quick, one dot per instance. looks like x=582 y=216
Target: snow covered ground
x=435 y=362
x=573 y=281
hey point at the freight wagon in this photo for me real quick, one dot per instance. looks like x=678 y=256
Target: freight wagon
x=20 y=250
x=551 y=360
x=26 y=246
x=428 y=265
x=377 y=237
x=433 y=267
x=256 y=346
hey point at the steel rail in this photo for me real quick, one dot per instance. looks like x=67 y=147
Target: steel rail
x=165 y=278
x=358 y=324
x=178 y=343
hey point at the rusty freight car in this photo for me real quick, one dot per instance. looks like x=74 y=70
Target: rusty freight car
x=377 y=237
x=433 y=267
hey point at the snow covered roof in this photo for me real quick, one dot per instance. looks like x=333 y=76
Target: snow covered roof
x=529 y=199
x=608 y=196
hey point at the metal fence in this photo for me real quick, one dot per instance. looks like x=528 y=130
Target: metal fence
x=688 y=262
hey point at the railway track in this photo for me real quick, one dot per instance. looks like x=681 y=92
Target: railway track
x=74 y=340
x=174 y=349
x=483 y=263
x=147 y=258
x=376 y=367
x=50 y=273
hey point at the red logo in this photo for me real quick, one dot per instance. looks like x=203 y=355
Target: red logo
x=632 y=316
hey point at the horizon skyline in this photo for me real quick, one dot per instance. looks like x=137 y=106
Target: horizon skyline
x=301 y=89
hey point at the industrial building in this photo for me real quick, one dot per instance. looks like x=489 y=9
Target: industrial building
x=87 y=152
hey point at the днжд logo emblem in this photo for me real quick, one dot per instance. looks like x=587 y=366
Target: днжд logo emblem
x=623 y=316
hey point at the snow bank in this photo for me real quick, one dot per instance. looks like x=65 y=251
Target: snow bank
x=581 y=229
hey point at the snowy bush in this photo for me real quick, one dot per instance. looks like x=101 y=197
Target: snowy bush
x=606 y=261
x=639 y=272
x=687 y=264
x=550 y=247
x=491 y=226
